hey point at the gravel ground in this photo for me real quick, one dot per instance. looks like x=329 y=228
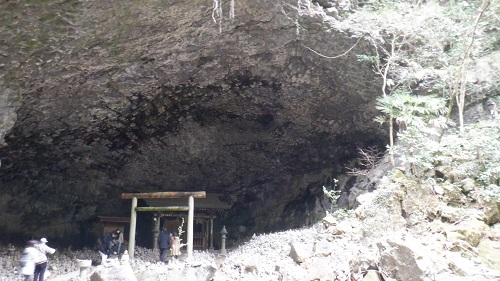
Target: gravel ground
x=267 y=250
x=63 y=265
x=263 y=258
x=342 y=249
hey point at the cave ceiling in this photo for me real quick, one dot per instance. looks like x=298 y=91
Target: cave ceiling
x=105 y=97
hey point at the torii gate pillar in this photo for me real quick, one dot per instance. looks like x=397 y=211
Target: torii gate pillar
x=190 y=227
x=133 y=222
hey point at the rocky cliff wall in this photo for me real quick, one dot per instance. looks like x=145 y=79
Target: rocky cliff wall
x=104 y=97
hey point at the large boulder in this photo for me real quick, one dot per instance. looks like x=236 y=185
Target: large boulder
x=491 y=211
x=299 y=252
x=489 y=251
x=114 y=272
x=405 y=258
x=388 y=215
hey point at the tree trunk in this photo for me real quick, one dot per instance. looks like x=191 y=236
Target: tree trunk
x=391 y=140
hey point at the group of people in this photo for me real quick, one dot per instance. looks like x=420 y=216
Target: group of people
x=109 y=241
x=166 y=241
x=34 y=260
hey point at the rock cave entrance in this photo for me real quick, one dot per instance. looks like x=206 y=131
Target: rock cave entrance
x=249 y=113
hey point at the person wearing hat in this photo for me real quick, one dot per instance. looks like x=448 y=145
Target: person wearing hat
x=41 y=259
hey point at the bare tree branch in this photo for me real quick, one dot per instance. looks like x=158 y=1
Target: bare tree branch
x=368 y=160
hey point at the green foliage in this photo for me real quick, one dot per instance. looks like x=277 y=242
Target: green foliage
x=428 y=56
x=473 y=154
x=490 y=193
x=180 y=231
x=343 y=214
x=410 y=110
x=415 y=149
x=332 y=194
x=461 y=10
x=413 y=114
x=366 y=58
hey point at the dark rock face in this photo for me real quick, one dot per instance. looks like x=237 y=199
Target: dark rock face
x=156 y=96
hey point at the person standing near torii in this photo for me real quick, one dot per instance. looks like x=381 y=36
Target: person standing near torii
x=163 y=243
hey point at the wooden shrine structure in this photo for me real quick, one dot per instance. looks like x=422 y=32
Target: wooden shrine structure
x=205 y=212
x=109 y=224
x=172 y=204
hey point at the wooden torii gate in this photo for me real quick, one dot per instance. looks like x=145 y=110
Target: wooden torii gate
x=162 y=195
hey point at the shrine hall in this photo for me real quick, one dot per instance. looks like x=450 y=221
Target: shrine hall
x=206 y=211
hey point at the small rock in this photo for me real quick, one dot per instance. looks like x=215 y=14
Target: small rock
x=300 y=252
x=372 y=275
x=489 y=251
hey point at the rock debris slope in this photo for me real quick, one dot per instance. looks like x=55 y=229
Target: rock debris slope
x=374 y=241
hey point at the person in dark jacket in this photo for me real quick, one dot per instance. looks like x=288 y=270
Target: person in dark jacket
x=163 y=244
x=108 y=241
